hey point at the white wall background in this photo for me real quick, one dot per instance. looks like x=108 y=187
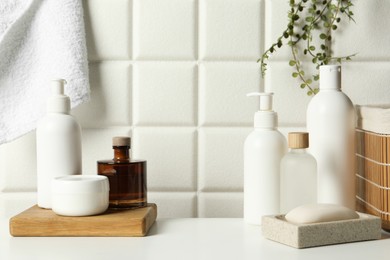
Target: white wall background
x=173 y=74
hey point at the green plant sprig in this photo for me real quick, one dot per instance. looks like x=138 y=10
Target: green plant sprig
x=323 y=16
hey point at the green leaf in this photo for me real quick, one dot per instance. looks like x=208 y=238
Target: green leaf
x=295 y=74
x=303 y=85
x=312 y=48
x=323 y=36
x=309 y=19
x=310 y=93
x=316 y=77
x=292 y=62
x=309 y=81
x=334 y=27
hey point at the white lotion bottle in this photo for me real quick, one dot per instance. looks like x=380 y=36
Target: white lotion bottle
x=263 y=150
x=298 y=174
x=330 y=123
x=58 y=138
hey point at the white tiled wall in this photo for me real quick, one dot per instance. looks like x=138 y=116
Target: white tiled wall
x=173 y=74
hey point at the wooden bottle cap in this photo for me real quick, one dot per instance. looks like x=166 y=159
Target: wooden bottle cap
x=121 y=141
x=298 y=140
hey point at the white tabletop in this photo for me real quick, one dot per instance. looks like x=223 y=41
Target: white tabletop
x=181 y=239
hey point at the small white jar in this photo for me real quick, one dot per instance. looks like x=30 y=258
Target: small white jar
x=80 y=195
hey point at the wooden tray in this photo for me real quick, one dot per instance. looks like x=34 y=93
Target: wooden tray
x=37 y=222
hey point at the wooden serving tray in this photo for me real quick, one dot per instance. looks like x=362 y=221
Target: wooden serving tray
x=37 y=222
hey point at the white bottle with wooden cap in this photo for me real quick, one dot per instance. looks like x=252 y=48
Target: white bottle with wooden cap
x=58 y=143
x=298 y=174
x=263 y=149
x=330 y=123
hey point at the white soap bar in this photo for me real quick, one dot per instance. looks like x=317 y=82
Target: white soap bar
x=317 y=213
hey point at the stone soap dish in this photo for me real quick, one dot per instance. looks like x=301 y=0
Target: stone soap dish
x=277 y=228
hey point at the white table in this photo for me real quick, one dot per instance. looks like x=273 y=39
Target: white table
x=173 y=239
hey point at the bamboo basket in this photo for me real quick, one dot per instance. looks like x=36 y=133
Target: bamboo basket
x=373 y=174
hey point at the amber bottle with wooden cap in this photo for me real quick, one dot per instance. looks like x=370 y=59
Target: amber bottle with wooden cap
x=127 y=177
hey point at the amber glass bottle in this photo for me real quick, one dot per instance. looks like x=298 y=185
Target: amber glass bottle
x=127 y=177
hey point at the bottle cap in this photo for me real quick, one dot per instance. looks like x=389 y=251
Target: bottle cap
x=298 y=140
x=265 y=117
x=330 y=77
x=58 y=102
x=121 y=141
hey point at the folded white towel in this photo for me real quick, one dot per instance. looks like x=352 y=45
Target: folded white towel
x=39 y=40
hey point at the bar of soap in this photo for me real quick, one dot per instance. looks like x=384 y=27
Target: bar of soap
x=317 y=213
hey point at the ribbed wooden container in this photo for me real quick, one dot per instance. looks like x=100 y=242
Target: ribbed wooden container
x=373 y=174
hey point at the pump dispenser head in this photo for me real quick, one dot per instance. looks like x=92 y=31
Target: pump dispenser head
x=330 y=77
x=265 y=117
x=58 y=102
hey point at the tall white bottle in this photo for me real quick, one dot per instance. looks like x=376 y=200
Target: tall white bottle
x=263 y=150
x=298 y=174
x=330 y=123
x=58 y=143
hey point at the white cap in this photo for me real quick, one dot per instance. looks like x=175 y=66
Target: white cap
x=58 y=102
x=330 y=77
x=265 y=117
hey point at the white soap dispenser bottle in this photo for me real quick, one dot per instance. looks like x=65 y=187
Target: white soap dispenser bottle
x=58 y=137
x=330 y=123
x=263 y=150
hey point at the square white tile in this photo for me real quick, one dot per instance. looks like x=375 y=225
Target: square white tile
x=220 y=205
x=367 y=83
x=110 y=103
x=174 y=204
x=369 y=37
x=230 y=29
x=97 y=145
x=165 y=29
x=165 y=93
x=18 y=164
x=171 y=157
x=221 y=156
x=108 y=29
x=222 y=93
x=289 y=100
x=275 y=23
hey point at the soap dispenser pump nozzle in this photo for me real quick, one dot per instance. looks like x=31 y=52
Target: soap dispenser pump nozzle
x=58 y=102
x=265 y=100
x=265 y=117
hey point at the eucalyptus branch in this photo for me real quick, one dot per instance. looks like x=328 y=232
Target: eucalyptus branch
x=315 y=15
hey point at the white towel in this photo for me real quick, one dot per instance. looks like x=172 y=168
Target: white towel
x=39 y=40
